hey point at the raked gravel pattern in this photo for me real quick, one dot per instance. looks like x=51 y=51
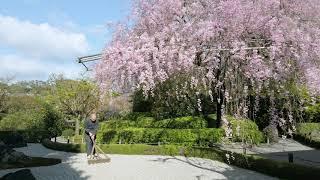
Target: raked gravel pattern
x=133 y=167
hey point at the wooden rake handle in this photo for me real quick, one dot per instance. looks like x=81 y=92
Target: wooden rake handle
x=96 y=147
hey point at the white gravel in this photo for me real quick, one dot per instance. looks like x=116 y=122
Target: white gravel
x=133 y=167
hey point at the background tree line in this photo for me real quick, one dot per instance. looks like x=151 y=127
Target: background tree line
x=46 y=108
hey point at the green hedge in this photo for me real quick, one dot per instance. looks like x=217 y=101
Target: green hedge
x=12 y=139
x=245 y=130
x=278 y=169
x=308 y=128
x=68 y=133
x=150 y=135
x=308 y=134
x=312 y=113
x=133 y=116
x=76 y=148
x=187 y=122
x=117 y=124
x=130 y=149
x=2 y=115
x=307 y=141
x=78 y=139
x=21 y=137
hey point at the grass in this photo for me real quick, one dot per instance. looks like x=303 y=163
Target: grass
x=273 y=168
x=32 y=162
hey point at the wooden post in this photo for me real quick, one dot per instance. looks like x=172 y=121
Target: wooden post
x=290 y=157
x=181 y=152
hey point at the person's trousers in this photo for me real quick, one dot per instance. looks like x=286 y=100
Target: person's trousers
x=89 y=144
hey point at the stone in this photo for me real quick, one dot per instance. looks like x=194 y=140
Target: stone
x=8 y=155
x=24 y=174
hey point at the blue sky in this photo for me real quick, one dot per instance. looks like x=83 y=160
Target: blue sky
x=40 y=37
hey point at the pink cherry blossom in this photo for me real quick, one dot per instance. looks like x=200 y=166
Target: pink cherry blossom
x=228 y=43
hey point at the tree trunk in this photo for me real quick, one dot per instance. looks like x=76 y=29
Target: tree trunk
x=219 y=115
x=252 y=98
x=219 y=109
x=77 y=131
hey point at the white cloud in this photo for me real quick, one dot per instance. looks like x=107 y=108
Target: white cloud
x=98 y=29
x=41 y=40
x=23 y=68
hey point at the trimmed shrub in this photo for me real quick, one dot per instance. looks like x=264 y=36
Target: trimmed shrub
x=145 y=122
x=308 y=134
x=187 y=122
x=2 y=115
x=130 y=149
x=312 y=113
x=76 y=148
x=12 y=139
x=150 y=135
x=133 y=116
x=20 y=137
x=182 y=136
x=308 y=129
x=39 y=123
x=245 y=130
x=35 y=136
x=78 y=139
x=207 y=137
x=307 y=141
x=271 y=134
x=117 y=124
x=23 y=120
x=67 y=133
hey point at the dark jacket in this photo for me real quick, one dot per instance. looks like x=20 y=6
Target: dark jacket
x=91 y=127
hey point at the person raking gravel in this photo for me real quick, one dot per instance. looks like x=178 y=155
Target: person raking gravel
x=91 y=126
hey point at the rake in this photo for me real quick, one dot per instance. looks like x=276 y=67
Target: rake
x=101 y=157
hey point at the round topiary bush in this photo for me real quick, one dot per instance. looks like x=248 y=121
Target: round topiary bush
x=245 y=130
x=271 y=133
x=68 y=133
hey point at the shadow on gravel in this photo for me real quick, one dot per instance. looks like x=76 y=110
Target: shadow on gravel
x=229 y=172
